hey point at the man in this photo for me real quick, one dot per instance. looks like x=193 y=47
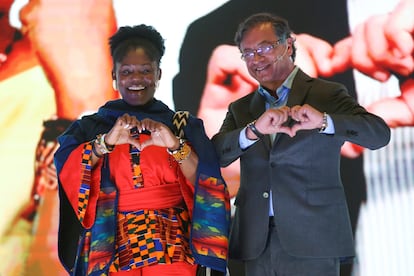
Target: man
x=291 y=214
x=212 y=90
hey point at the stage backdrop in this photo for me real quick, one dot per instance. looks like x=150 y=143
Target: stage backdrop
x=37 y=103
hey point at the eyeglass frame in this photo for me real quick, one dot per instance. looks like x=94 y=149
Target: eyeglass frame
x=260 y=51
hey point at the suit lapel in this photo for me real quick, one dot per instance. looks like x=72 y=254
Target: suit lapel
x=257 y=105
x=257 y=108
x=300 y=89
x=297 y=95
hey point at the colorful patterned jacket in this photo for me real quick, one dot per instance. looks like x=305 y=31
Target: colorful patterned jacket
x=209 y=202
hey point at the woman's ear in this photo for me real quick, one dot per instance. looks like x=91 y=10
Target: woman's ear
x=114 y=85
x=159 y=73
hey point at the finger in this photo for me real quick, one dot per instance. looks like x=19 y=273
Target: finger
x=303 y=56
x=341 y=59
x=301 y=115
x=277 y=118
x=376 y=44
x=361 y=58
x=286 y=115
x=381 y=50
x=321 y=52
x=287 y=130
x=295 y=128
x=142 y=125
x=400 y=28
x=135 y=143
x=295 y=116
x=146 y=143
x=124 y=121
x=359 y=53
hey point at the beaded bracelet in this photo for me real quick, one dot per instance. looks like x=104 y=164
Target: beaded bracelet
x=182 y=153
x=94 y=149
x=103 y=146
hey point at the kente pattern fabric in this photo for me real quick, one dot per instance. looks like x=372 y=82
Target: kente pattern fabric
x=86 y=180
x=140 y=233
x=135 y=163
x=209 y=231
x=143 y=235
x=97 y=243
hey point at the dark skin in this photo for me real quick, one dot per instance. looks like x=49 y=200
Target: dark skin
x=136 y=77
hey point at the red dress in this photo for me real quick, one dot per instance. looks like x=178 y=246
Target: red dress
x=153 y=219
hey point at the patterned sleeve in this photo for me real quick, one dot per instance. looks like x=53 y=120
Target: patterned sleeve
x=81 y=183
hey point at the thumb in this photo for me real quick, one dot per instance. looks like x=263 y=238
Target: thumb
x=341 y=59
x=287 y=130
x=295 y=128
x=137 y=144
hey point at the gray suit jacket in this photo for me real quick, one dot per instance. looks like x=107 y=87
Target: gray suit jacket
x=302 y=172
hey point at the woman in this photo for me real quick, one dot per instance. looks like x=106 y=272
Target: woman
x=128 y=184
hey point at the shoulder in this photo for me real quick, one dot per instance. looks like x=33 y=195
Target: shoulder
x=318 y=85
x=245 y=100
x=318 y=82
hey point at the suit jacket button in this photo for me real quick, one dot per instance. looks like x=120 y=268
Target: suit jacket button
x=266 y=195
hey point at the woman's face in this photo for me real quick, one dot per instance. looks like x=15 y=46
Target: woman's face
x=136 y=77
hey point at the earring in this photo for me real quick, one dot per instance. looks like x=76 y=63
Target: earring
x=114 y=85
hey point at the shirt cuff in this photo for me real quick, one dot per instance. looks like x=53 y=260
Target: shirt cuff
x=330 y=129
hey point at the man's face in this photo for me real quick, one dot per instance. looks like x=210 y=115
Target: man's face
x=266 y=56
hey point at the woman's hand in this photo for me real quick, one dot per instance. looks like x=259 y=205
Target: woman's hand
x=161 y=135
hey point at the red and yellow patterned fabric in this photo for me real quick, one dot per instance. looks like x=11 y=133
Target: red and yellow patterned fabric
x=153 y=221
x=125 y=182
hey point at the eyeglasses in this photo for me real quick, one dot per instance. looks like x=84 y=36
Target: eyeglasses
x=263 y=50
